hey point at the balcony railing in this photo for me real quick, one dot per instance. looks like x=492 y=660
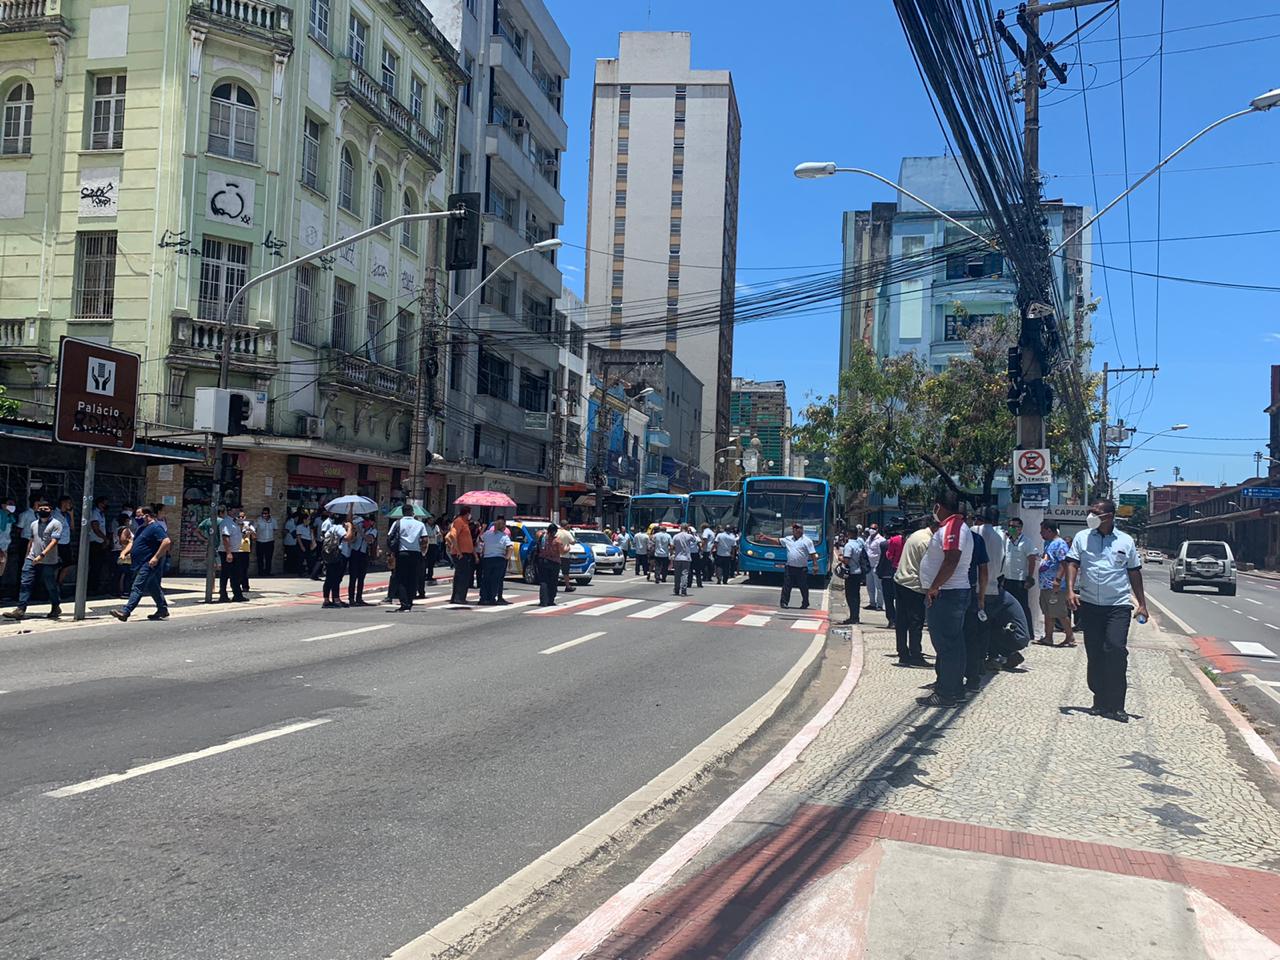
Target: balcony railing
x=25 y=336
x=361 y=87
x=270 y=21
x=351 y=370
x=20 y=16
x=203 y=339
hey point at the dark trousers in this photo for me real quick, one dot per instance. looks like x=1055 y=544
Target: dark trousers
x=887 y=591
x=242 y=570
x=357 y=567
x=227 y=574
x=724 y=569
x=293 y=559
x=853 y=596
x=1018 y=590
x=909 y=623
x=47 y=574
x=660 y=567
x=266 y=553
x=642 y=564
x=548 y=582
x=99 y=569
x=463 y=570
x=334 y=570
x=492 y=571
x=696 y=568
x=1106 y=644
x=795 y=577
x=946 y=631
x=682 y=577
x=146 y=583
x=975 y=645
x=408 y=565
x=429 y=563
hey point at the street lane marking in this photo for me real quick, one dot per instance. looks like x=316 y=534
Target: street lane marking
x=346 y=633
x=1251 y=600
x=1254 y=619
x=708 y=613
x=753 y=620
x=1251 y=649
x=608 y=608
x=573 y=643
x=567 y=604
x=1271 y=626
x=806 y=625
x=507 y=606
x=1172 y=616
x=1257 y=679
x=99 y=782
x=1234 y=610
x=658 y=610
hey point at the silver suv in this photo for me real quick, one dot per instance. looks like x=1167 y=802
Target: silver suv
x=1204 y=563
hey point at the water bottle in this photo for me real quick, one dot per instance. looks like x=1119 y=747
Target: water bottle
x=982 y=615
x=1142 y=618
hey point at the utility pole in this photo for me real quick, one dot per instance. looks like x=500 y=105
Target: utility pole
x=602 y=420
x=1104 y=464
x=557 y=438
x=425 y=395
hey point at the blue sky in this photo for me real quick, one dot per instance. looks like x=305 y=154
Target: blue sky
x=835 y=81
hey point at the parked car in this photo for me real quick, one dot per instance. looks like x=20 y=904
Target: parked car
x=524 y=534
x=1204 y=563
x=609 y=559
x=1153 y=556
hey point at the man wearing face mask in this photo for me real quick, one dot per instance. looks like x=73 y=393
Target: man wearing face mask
x=147 y=551
x=41 y=561
x=1105 y=564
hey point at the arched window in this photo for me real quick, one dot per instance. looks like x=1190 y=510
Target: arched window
x=379 y=212
x=409 y=229
x=347 y=181
x=233 y=122
x=19 y=108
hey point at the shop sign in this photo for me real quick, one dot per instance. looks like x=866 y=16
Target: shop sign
x=329 y=469
x=376 y=474
x=502 y=486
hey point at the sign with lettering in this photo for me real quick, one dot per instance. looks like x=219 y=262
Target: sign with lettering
x=315 y=467
x=97 y=398
x=1031 y=466
x=229 y=199
x=99 y=190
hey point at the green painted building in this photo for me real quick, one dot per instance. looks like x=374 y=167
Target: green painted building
x=154 y=155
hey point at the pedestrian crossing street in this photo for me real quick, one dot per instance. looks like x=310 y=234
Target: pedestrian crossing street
x=746 y=615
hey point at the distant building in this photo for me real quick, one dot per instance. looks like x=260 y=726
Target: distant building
x=758 y=408
x=1170 y=495
x=662 y=217
x=573 y=393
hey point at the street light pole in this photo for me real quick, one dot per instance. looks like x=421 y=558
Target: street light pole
x=224 y=368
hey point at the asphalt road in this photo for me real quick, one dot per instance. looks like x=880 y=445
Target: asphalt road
x=407 y=764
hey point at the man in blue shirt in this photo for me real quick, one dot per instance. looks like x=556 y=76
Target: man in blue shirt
x=1103 y=572
x=147 y=552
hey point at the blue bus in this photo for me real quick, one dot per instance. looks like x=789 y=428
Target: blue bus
x=714 y=508
x=769 y=506
x=650 y=508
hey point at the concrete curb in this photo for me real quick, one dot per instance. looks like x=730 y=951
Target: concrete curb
x=1257 y=746
x=467 y=929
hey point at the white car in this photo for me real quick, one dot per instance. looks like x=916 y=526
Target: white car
x=1204 y=563
x=1153 y=556
x=609 y=559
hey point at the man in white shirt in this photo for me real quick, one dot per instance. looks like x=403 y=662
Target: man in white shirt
x=406 y=540
x=708 y=551
x=99 y=554
x=41 y=562
x=1020 y=561
x=661 y=555
x=363 y=547
x=229 y=536
x=495 y=551
x=684 y=549
x=853 y=552
x=801 y=554
x=726 y=545
x=291 y=549
x=265 y=526
x=997 y=546
x=875 y=543
x=944 y=573
x=641 y=544
x=336 y=536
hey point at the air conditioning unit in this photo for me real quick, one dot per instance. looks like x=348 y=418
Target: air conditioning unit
x=312 y=427
x=519 y=123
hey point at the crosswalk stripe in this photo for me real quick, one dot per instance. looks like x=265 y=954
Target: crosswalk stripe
x=658 y=610
x=566 y=605
x=608 y=608
x=806 y=625
x=708 y=613
x=509 y=606
x=753 y=620
x=1251 y=649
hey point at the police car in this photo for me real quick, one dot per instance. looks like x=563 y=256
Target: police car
x=524 y=534
x=609 y=559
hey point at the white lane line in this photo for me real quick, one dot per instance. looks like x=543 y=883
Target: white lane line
x=1255 y=619
x=708 y=613
x=572 y=643
x=1251 y=649
x=1256 y=679
x=753 y=620
x=497 y=608
x=346 y=633
x=1186 y=627
x=565 y=605
x=1251 y=600
x=806 y=625
x=601 y=610
x=1214 y=602
x=1272 y=626
x=98 y=782
x=658 y=610
x=1234 y=610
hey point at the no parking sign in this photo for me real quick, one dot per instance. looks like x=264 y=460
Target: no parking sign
x=1031 y=466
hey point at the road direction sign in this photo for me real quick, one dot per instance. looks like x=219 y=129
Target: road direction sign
x=1261 y=493
x=1031 y=466
x=97 y=400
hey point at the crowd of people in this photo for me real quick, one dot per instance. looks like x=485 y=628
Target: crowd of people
x=969 y=580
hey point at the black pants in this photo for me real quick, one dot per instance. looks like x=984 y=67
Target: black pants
x=887 y=588
x=975 y=644
x=853 y=596
x=548 y=582
x=642 y=564
x=357 y=567
x=909 y=623
x=242 y=569
x=227 y=574
x=334 y=570
x=99 y=558
x=292 y=559
x=795 y=577
x=266 y=553
x=1106 y=644
x=492 y=572
x=724 y=569
x=697 y=567
x=429 y=563
x=463 y=569
x=660 y=567
x=408 y=565
x=1018 y=590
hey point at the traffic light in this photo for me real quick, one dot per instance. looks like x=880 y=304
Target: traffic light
x=1015 y=364
x=462 y=238
x=239 y=407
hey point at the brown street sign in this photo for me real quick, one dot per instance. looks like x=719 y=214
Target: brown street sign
x=97 y=395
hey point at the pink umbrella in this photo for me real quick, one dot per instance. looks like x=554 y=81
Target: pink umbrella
x=484 y=498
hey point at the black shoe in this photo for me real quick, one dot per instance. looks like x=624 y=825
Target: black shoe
x=502 y=603
x=157 y=616
x=571 y=589
x=804 y=606
x=432 y=582
x=421 y=596
x=120 y=615
x=847 y=621
x=936 y=700
x=1119 y=716
x=53 y=615
x=1014 y=660
x=221 y=600
x=240 y=600
x=919 y=662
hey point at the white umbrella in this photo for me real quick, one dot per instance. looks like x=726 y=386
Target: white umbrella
x=351 y=504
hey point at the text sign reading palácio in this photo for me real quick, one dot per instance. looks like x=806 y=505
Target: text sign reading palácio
x=97 y=400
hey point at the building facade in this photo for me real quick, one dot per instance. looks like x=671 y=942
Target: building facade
x=504 y=349
x=156 y=155
x=758 y=408
x=662 y=216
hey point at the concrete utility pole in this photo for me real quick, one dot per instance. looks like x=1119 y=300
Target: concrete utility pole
x=425 y=394
x=1104 y=465
x=557 y=438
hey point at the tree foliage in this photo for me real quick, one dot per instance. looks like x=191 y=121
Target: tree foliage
x=8 y=406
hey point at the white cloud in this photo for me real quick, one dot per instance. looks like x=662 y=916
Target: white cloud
x=570 y=268
x=1271 y=336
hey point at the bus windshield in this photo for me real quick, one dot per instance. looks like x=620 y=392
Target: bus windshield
x=645 y=512
x=770 y=514
x=714 y=511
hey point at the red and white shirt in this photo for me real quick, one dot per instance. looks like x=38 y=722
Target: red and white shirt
x=952 y=535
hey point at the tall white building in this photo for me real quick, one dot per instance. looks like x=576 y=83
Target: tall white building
x=503 y=351
x=662 y=227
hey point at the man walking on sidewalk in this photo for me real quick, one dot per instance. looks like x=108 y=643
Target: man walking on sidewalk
x=147 y=551
x=463 y=551
x=945 y=573
x=801 y=554
x=1053 y=586
x=1105 y=563
x=41 y=561
x=406 y=540
x=1019 y=566
x=908 y=596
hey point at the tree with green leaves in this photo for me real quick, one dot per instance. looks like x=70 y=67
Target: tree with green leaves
x=8 y=406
